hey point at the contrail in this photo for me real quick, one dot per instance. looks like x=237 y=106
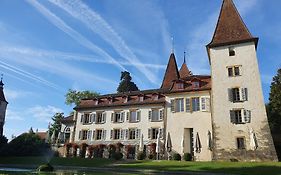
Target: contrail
x=97 y=24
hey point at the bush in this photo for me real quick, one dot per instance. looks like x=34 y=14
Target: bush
x=151 y=156
x=117 y=156
x=187 y=157
x=140 y=155
x=177 y=156
x=45 y=167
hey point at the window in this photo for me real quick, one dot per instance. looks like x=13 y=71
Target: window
x=86 y=118
x=134 y=116
x=155 y=115
x=99 y=117
x=117 y=117
x=179 y=105
x=196 y=84
x=155 y=96
x=141 y=98
x=231 y=51
x=180 y=86
x=187 y=105
x=153 y=132
x=85 y=135
x=234 y=71
x=238 y=94
x=116 y=134
x=132 y=133
x=195 y=104
x=240 y=143
x=240 y=116
x=99 y=134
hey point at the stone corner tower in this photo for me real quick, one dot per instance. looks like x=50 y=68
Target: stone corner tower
x=3 y=107
x=240 y=127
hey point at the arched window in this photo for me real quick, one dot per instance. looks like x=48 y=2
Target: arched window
x=67 y=130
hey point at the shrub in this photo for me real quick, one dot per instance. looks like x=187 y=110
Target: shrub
x=151 y=156
x=187 y=157
x=117 y=156
x=177 y=156
x=140 y=155
x=45 y=167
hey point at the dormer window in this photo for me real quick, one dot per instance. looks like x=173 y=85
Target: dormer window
x=155 y=96
x=141 y=98
x=125 y=98
x=96 y=101
x=231 y=51
x=196 y=84
x=110 y=100
x=180 y=86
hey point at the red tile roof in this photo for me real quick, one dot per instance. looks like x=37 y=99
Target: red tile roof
x=230 y=27
x=184 y=71
x=42 y=135
x=68 y=119
x=171 y=73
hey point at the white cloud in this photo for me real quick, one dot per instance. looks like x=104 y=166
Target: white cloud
x=11 y=94
x=43 y=113
x=14 y=115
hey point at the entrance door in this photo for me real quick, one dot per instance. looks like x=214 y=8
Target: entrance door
x=188 y=141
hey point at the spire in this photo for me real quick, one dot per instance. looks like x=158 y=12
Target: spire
x=171 y=73
x=2 y=96
x=230 y=27
x=184 y=71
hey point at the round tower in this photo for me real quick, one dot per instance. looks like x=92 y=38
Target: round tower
x=3 y=107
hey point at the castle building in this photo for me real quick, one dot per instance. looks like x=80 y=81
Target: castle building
x=3 y=107
x=217 y=117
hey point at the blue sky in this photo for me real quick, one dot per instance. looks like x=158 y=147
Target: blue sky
x=49 y=46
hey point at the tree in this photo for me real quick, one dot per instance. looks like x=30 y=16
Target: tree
x=56 y=126
x=3 y=141
x=74 y=97
x=126 y=85
x=274 y=105
x=27 y=144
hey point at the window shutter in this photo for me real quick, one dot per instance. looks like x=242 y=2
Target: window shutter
x=230 y=94
x=82 y=118
x=104 y=134
x=103 y=117
x=126 y=133
x=111 y=134
x=122 y=116
x=149 y=115
x=137 y=133
x=94 y=135
x=232 y=117
x=244 y=94
x=181 y=105
x=122 y=131
x=208 y=104
x=203 y=104
x=91 y=118
x=187 y=104
x=247 y=116
x=149 y=133
x=80 y=135
x=112 y=117
x=161 y=114
x=138 y=115
x=128 y=116
x=89 y=135
x=161 y=132
x=172 y=105
x=94 y=118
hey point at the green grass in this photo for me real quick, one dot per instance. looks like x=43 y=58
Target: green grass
x=243 y=168
x=58 y=161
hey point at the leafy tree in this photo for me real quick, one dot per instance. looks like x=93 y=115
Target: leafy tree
x=74 y=97
x=3 y=141
x=27 y=144
x=56 y=126
x=126 y=85
x=274 y=105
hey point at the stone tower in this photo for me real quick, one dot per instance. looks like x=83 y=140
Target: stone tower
x=240 y=126
x=3 y=107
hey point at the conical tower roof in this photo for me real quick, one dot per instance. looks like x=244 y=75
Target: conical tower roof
x=2 y=96
x=230 y=27
x=171 y=73
x=184 y=71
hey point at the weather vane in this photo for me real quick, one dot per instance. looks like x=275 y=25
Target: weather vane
x=172 y=44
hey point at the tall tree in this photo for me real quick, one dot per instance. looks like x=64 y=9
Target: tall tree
x=274 y=105
x=56 y=125
x=73 y=97
x=126 y=85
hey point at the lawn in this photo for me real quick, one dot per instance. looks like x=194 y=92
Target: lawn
x=243 y=168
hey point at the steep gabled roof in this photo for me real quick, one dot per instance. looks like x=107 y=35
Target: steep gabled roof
x=184 y=71
x=230 y=27
x=171 y=73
